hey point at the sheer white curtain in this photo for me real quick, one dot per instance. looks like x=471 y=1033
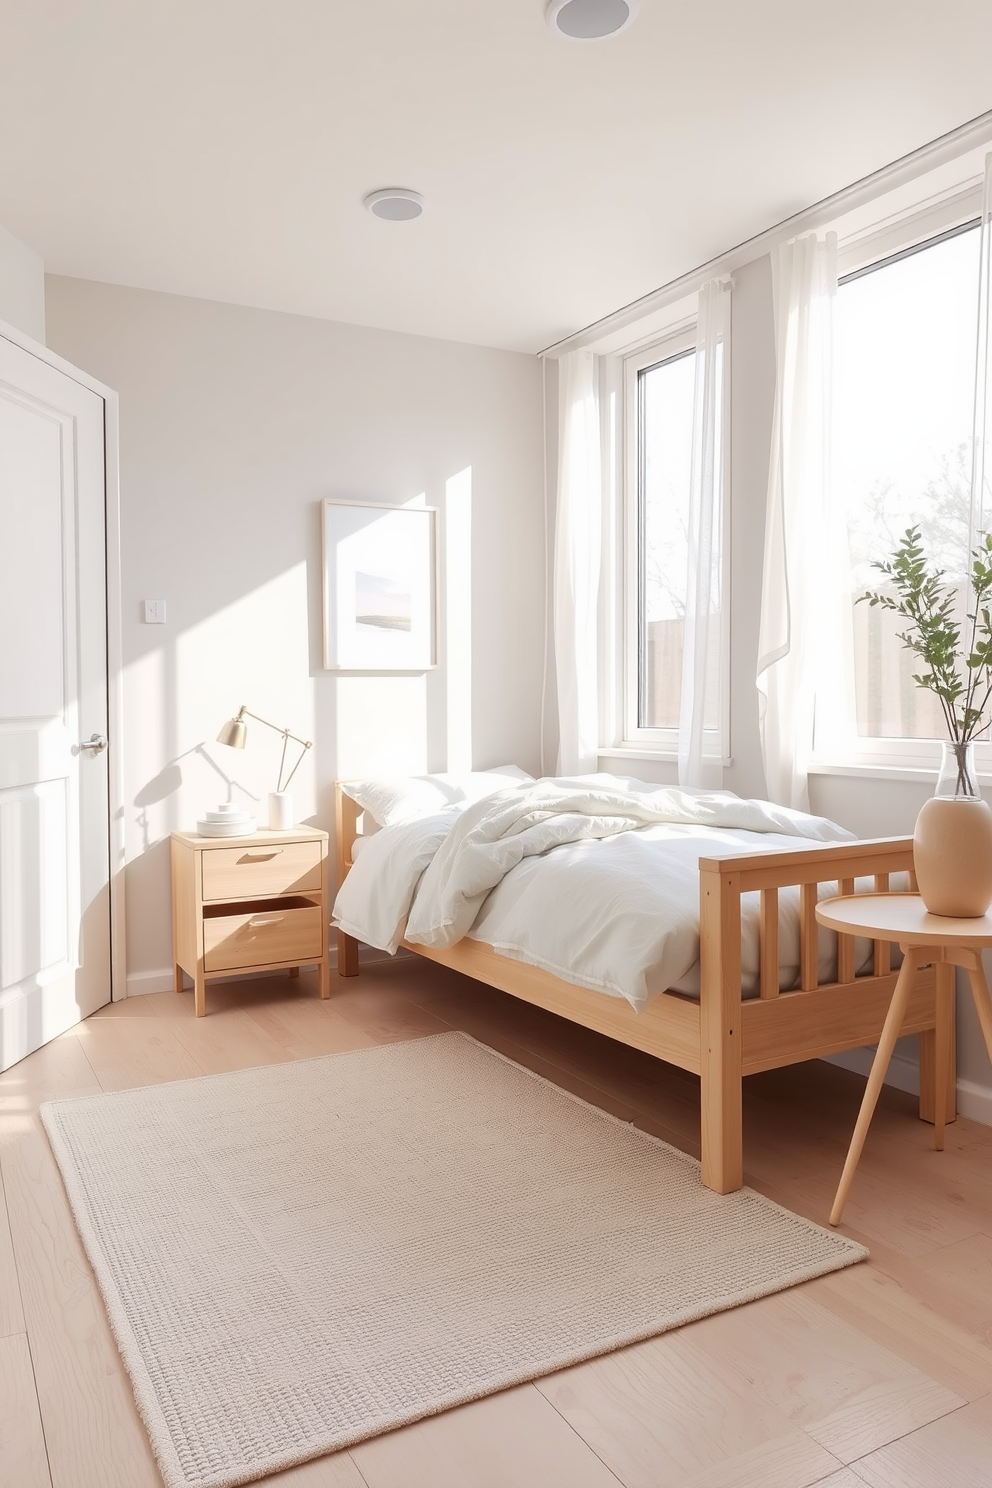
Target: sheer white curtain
x=699 y=753
x=578 y=542
x=981 y=469
x=796 y=603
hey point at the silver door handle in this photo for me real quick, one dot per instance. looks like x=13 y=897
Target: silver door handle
x=96 y=742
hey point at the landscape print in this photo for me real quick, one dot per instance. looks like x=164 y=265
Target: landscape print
x=382 y=603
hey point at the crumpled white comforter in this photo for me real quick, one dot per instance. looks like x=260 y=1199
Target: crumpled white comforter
x=595 y=879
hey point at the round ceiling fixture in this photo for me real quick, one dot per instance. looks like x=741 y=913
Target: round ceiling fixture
x=590 y=20
x=395 y=204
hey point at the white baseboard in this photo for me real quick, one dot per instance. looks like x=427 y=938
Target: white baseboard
x=142 y=983
x=974 y=1101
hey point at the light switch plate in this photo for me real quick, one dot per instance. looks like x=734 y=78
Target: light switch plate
x=154 y=611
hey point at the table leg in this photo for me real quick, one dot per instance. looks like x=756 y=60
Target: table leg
x=943 y=1035
x=890 y=1032
x=980 y=994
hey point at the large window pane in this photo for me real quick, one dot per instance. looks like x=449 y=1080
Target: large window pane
x=905 y=364
x=665 y=397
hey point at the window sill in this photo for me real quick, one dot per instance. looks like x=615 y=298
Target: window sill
x=646 y=752
x=906 y=774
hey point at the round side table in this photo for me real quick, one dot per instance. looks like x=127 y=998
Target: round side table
x=923 y=939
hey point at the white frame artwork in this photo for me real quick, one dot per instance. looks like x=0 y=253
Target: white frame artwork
x=379 y=566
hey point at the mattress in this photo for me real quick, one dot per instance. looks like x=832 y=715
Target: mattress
x=618 y=915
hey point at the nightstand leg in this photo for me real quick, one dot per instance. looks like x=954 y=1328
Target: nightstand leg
x=180 y=984
x=294 y=971
x=325 y=978
x=913 y=956
x=200 y=994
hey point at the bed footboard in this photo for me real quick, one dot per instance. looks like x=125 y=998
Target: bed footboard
x=740 y=1037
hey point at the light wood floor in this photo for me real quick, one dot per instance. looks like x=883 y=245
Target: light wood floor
x=880 y=1375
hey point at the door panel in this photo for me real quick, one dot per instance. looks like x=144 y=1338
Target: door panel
x=54 y=854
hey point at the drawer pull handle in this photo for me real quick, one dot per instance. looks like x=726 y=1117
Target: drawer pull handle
x=257 y=924
x=260 y=857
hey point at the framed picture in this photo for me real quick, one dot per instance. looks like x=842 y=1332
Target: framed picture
x=380 y=587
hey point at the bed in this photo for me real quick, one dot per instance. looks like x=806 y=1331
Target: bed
x=721 y=1035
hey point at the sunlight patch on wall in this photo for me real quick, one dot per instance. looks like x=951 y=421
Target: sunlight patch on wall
x=381 y=726
x=458 y=623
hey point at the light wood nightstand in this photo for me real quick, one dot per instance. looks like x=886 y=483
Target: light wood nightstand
x=259 y=903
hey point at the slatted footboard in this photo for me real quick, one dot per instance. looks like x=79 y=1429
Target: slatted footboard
x=741 y=1037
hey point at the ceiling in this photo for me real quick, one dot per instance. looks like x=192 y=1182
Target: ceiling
x=222 y=148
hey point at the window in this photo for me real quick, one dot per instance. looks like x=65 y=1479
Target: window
x=904 y=389
x=664 y=457
x=659 y=394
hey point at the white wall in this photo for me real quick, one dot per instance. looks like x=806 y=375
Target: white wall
x=22 y=287
x=235 y=423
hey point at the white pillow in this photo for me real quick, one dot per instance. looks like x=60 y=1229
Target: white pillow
x=409 y=798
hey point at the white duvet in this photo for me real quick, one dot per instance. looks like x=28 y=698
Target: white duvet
x=595 y=879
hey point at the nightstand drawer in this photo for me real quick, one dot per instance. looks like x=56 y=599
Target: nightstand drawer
x=242 y=872
x=270 y=933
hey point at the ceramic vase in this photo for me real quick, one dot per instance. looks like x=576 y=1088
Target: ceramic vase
x=952 y=844
x=280 y=811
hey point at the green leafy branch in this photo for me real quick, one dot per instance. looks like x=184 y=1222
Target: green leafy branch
x=962 y=683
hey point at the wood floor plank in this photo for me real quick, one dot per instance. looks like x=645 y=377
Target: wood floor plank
x=512 y=1440
x=937 y=1342
x=231 y=1042
x=664 y=1414
x=337 y=1471
x=125 y=1052
x=57 y=1071
x=92 y=1429
x=787 y=1462
x=306 y=1029
x=23 y=1458
x=846 y=1478
x=11 y=1312
x=828 y=1378
x=954 y=1452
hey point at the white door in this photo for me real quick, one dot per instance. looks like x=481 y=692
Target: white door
x=54 y=828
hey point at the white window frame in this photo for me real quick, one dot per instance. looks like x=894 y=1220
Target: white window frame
x=887 y=756
x=629 y=737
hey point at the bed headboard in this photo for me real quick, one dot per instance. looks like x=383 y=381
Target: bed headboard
x=346 y=816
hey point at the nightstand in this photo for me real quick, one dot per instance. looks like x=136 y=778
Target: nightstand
x=259 y=903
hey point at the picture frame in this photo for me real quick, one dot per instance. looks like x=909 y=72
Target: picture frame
x=379 y=572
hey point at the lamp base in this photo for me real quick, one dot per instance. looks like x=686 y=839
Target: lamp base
x=280 y=811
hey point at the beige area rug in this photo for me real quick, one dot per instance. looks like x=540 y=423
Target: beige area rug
x=298 y=1257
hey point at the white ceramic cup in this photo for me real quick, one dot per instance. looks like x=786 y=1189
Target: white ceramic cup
x=280 y=810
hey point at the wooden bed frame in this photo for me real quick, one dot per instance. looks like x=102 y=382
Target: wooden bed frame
x=724 y=1037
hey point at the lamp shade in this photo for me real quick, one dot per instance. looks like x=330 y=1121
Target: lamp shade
x=234 y=732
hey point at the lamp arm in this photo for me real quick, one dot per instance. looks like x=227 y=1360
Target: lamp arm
x=303 y=754
x=307 y=743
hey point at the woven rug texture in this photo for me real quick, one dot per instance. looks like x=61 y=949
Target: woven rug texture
x=298 y=1257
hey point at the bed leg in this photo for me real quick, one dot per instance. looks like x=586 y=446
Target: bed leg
x=722 y=1130
x=347 y=955
x=938 y=1054
x=721 y=1061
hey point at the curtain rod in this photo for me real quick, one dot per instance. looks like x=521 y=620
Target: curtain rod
x=975 y=132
